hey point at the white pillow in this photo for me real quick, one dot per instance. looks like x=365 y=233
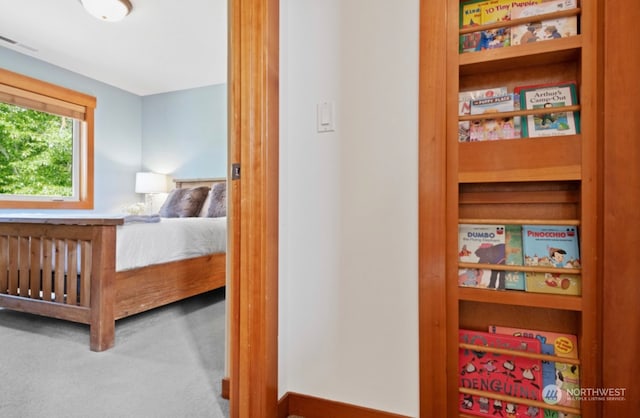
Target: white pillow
x=205 y=206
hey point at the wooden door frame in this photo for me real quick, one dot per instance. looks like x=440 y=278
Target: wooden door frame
x=432 y=211
x=253 y=207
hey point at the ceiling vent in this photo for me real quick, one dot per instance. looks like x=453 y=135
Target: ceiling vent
x=5 y=39
x=16 y=43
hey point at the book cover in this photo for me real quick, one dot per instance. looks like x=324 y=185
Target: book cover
x=470 y=15
x=503 y=374
x=477 y=278
x=514 y=280
x=492 y=128
x=542 y=30
x=551 y=246
x=552 y=123
x=464 y=106
x=561 y=377
x=484 y=244
x=494 y=11
x=555 y=283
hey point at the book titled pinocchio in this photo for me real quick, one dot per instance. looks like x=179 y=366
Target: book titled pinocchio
x=553 y=246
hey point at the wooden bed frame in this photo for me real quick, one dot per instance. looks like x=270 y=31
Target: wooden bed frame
x=100 y=295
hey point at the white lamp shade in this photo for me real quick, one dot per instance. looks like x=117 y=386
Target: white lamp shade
x=107 y=10
x=151 y=183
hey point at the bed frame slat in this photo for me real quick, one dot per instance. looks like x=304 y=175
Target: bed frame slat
x=72 y=272
x=23 y=261
x=59 y=271
x=34 y=268
x=4 y=264
x=13 y=265
x=85 y=274
x=47 y=277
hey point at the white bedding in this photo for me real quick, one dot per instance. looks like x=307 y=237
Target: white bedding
x=171 y=239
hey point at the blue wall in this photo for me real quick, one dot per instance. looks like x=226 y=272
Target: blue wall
x=188 y=141
x=185 y=132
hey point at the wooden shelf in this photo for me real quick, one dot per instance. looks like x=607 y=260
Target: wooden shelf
x=526 y=269
x=520 y=21
x=520 y=298
x=511 y=114
x=521 y=56
x=573 y=222
x=519 y=353
x=515 y=160
x=503 y=398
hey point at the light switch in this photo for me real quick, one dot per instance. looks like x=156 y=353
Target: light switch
x=326 y=117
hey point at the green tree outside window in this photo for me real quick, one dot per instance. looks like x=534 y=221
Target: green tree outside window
x=36 y=152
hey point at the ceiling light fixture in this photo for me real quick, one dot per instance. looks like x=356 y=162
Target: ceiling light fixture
x=107 y=10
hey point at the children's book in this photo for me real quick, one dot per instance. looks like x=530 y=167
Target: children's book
x=470 y=15
x=551 y=246
x=477 y=277
x=556 y=283
x=464 y=106
x=494 y=11
x=514 y=280
x=542 y=30
x=549 y=96
x=484 y=244
x=492 y=128
x=504 y=374
x=556 y=376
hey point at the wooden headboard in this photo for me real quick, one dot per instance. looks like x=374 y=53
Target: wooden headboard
x=183 y=183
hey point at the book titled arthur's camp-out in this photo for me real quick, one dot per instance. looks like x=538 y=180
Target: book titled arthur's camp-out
x=549 y=97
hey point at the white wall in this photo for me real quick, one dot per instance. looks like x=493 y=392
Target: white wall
x=348 y=228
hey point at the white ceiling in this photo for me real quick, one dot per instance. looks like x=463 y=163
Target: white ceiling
x=161 y=46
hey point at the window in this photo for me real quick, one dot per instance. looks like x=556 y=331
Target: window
x=46 y=145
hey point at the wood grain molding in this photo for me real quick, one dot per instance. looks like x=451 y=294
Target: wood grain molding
x=283 y=406
x=432 y=210
x=621 y=336
x=311 y=407
x=253 y=242
x=225 y=388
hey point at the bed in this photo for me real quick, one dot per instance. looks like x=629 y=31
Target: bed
x=80 y=254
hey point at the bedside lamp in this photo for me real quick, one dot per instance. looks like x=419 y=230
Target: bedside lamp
x=149 y=183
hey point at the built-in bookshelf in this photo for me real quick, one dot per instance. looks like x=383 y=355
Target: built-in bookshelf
x=553 y=180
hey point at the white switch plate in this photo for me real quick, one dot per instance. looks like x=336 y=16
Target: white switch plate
x=326 y=117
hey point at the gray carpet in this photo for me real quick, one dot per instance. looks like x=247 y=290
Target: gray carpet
x=168 y=362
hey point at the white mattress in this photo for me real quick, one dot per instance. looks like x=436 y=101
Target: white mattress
x=171 y=239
